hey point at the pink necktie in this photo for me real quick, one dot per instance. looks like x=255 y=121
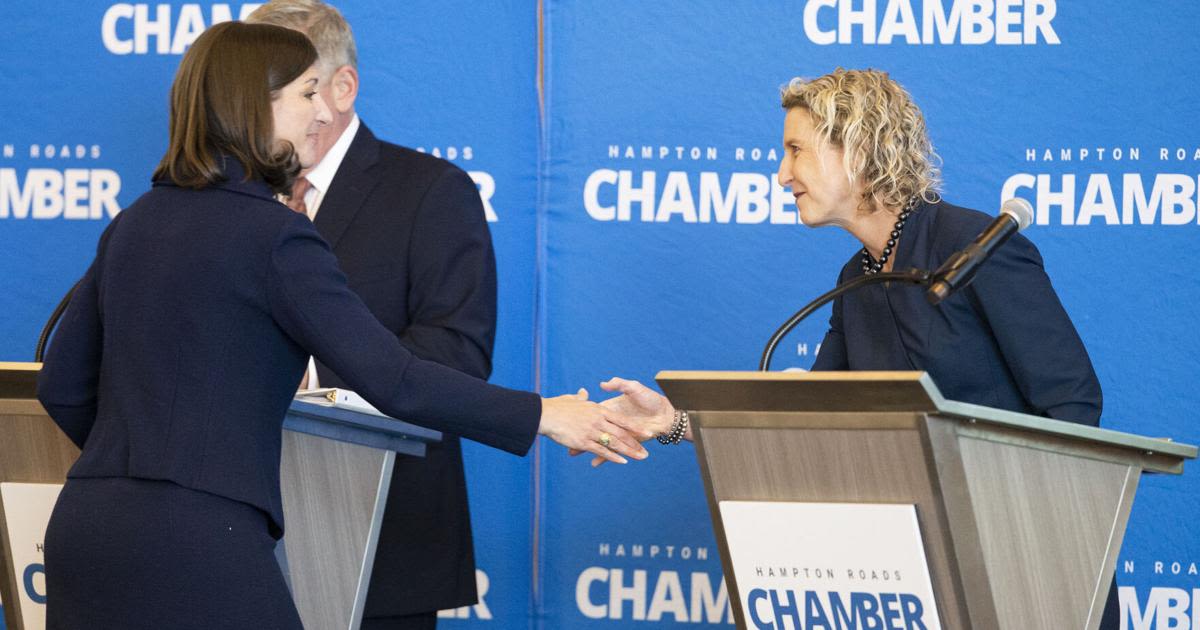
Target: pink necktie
x=296 y=200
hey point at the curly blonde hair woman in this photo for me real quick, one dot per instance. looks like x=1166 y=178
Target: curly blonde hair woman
x=856 y=155
x=878 y=128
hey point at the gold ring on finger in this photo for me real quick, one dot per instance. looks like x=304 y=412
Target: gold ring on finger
x=605 y=440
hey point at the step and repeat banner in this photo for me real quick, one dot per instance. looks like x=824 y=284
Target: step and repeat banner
x=85 y=125
x=638 y=225
x=670 y=247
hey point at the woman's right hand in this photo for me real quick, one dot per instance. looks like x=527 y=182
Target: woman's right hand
x=650 y=410
x=580 y=425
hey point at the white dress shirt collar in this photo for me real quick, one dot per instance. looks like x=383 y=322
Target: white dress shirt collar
x=319 y=179
x=321 y=176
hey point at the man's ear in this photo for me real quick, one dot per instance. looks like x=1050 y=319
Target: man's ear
x=344 y=88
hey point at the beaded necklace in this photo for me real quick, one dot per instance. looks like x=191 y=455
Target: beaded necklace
x=872 y=266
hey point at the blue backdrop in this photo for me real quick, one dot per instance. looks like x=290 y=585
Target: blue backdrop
x=654 y=113
x=638 y=226
x=93 y=76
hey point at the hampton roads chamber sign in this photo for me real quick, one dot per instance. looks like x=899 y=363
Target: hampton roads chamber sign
x=829 y=565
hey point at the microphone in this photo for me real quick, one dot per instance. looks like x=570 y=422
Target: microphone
x=40 y=351
x=957 y=272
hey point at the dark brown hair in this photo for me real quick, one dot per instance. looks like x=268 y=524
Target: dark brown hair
x=221 y=104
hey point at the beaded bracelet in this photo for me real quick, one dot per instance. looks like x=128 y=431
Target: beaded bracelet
x=678 y=428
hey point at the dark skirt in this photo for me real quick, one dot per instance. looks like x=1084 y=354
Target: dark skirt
x=132 y=553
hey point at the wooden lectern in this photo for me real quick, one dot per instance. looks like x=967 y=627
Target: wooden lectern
x=32 y=450
x=1021 y=517
x=335 y=473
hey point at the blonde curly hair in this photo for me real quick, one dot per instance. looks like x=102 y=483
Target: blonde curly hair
x=879 y=129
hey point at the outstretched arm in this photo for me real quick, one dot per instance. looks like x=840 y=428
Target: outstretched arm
x=310 y=301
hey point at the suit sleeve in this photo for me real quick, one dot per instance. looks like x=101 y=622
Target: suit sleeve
x=68 y=382
x=311 y=302
x=1035 y=335
x=452 y=279
x=832 y=355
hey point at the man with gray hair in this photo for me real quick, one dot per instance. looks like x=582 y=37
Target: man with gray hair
x=409 y=231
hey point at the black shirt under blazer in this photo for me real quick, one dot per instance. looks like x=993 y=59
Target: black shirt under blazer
x=409 y=231
x=1005 y=341
x=181 y=349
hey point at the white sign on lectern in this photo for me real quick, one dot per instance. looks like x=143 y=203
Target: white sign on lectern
x=27 y=508
x=832 y=565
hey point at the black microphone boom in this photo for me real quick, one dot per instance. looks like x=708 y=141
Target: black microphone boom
x=957 y=272
x=911 y=276
x=40 y=351
x=1016 y=214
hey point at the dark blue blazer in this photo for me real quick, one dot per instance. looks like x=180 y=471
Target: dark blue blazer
x=409 y=231
x=182 y=347
x=1005 y=341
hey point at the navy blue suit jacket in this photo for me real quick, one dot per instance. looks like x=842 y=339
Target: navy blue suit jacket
x=182 y=347
x=409 y=231
x=1005 y=341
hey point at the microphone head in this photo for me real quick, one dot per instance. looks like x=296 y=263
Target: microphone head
x=1019 y=210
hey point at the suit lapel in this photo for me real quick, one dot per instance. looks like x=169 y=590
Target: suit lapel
x=351 y=186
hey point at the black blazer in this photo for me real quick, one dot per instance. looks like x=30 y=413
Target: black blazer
x=183 y=344
x=1005 y=341
x=410 y=233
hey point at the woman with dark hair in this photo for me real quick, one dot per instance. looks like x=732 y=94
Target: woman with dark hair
x=182 y=346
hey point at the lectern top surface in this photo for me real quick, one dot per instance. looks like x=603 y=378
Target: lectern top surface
x=801 y=391
x=876 y=392
x=18 y=380
x=376 y=422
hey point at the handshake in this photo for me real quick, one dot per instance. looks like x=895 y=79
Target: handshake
x=613 y=429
